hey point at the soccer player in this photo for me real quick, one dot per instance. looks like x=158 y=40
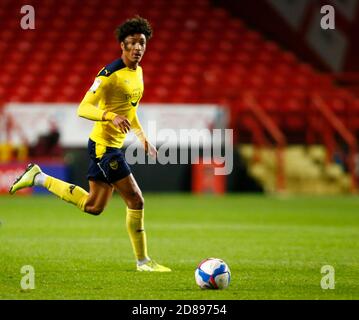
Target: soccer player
x=112 y=103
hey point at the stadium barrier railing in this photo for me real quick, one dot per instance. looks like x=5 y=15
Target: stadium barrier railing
x=331 y=127
x=261 y=125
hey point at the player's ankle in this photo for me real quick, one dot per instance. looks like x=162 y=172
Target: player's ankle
x=40 y=179
x=143 y=261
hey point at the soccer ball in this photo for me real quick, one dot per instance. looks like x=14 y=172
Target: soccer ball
x=212 y=273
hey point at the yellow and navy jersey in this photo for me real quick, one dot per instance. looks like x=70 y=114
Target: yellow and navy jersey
x=117 y=89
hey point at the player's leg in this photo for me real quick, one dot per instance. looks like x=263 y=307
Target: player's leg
x=100 y=193
x=33 y=176
x=130 y=192
x=132 y=195
x=93 y=203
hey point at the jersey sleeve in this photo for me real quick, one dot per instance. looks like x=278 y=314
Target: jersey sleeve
x=88 y=107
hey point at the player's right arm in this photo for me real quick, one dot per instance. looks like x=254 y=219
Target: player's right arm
x=88 y=107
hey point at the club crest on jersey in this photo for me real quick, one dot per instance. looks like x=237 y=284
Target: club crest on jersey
x=114 y=164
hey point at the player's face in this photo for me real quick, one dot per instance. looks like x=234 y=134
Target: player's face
x=133 y=47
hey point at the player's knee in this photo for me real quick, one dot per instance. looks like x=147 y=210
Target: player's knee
x=136 y=201
x=96 y=211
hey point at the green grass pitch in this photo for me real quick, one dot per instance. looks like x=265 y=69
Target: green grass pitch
x=274 y=246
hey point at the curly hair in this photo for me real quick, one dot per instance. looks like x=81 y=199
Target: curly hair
x=132 y=26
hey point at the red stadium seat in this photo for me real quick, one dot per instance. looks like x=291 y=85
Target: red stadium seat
x=187 y=60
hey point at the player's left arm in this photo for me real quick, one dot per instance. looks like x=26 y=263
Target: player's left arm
x=139 y=132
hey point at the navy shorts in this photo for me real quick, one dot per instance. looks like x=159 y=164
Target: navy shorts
x=112 y=165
